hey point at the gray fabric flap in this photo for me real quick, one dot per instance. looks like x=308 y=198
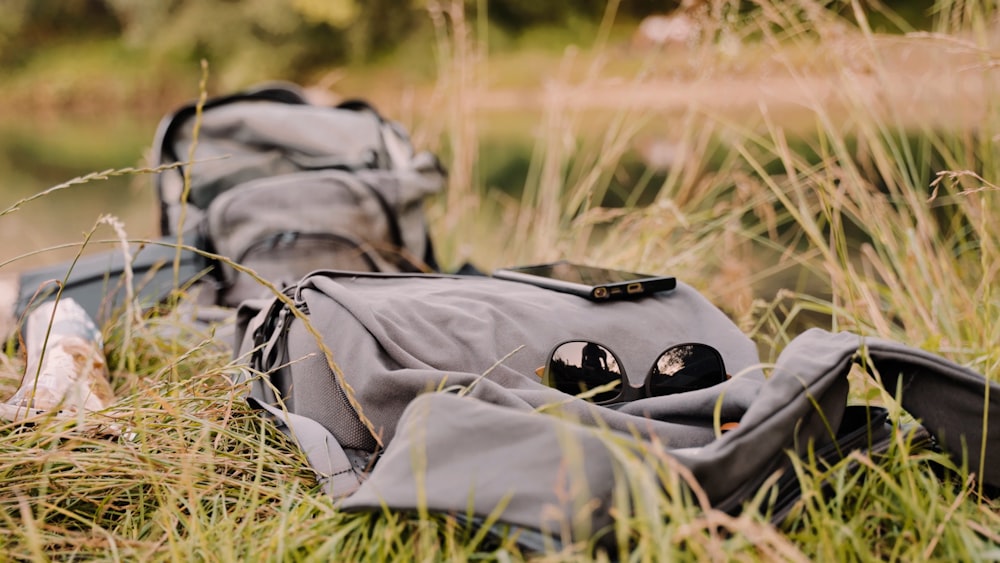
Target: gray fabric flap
x=947 y=398
x=451 y=453
x=951 y=401
x=536 y=471
x=248 y=140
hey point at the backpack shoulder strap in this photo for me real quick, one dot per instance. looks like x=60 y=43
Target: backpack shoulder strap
x=338 y=470
x=806 y=397
x=334 y=469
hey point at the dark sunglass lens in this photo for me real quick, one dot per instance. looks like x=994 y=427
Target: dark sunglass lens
x=686 y=367
x=578 y=367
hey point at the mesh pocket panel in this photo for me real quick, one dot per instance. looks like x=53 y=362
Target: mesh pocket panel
x=316 y=394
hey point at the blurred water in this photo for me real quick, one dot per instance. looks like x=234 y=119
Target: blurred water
x=37 y=154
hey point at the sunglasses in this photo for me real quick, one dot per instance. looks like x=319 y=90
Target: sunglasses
x=581 y=367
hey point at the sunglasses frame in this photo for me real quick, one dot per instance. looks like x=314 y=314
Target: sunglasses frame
x=626 y=391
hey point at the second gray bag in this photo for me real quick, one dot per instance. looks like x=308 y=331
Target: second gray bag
x=280 y=186
x=420 y=391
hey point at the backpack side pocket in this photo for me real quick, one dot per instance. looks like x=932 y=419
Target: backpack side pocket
x=284 y=227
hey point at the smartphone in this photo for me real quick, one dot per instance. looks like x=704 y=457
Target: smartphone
x=597 y=284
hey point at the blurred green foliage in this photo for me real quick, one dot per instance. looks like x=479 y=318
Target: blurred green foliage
x=291 y=33
x=292 y=36
x=342 y=28
x=79 y=54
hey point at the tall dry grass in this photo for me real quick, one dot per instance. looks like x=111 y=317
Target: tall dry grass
x=862 y=198
x=821 y=174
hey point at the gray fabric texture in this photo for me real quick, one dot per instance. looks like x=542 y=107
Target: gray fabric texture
x=284 y=188
x=244 y=141
x=283 y=227
x=444 y=368
x=395 y=337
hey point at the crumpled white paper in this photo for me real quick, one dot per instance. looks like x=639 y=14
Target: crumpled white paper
x=66 y=368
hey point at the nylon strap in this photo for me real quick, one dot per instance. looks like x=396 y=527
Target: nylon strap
x=330 y=462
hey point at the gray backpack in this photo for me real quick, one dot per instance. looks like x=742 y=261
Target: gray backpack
x=413 y=391
x=278 y=186
x=283 y=187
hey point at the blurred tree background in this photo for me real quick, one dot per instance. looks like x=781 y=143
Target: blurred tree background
x=86 y=81
x=90 y=54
